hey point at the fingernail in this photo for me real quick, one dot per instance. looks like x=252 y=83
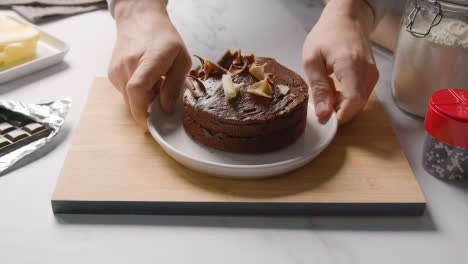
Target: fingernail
x=321 y=108
x=143 y=124
x=341 y=122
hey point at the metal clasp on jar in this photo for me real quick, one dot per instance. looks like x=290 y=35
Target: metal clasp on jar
x=412 y=18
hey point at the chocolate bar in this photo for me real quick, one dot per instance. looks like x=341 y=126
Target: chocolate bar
x=18 y=130
x=24 y=128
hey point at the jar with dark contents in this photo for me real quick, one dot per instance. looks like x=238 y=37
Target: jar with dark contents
x=445 y=153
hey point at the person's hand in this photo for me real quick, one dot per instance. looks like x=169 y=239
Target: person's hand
x=339 y=43
x=149 y=57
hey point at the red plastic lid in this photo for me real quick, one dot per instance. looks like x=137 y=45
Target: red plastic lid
x=447 y=116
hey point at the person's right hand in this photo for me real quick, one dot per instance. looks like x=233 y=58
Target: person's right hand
x=149 y=57
x=339 y=43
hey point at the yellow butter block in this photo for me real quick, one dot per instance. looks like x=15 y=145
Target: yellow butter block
x=18 y=41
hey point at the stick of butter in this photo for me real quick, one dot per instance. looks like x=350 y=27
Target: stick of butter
x=18 y=41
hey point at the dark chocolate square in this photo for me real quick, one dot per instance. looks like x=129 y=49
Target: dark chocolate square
x=6 y=127
x=33 y=128
x=4 y=142
x=16 y=135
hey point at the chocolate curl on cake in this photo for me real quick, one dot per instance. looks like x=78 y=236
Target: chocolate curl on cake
x=194 y=72
x=226 y=60
x=258 y=71
x=250 y=59
x=230 y=58
x=195 y=85
x=209 y=68
x=232 y=62
x=237 y=58
x=240 y=63
x=201 y=60
x=234 y=70
x=261 y=88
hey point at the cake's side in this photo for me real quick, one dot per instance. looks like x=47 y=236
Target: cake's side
x=247 y=129
x=243 y=144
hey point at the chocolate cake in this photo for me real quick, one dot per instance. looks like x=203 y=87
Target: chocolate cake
x=244 y=104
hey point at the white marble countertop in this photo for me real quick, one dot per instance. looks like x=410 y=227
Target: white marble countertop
x=30 y=233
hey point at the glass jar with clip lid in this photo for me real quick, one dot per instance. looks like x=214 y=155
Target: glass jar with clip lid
x=431 y=52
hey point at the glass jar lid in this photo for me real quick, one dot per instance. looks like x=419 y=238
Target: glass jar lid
x=447 y=116
x=434 y=7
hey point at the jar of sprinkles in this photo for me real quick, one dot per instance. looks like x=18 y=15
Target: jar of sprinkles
x=445 y=153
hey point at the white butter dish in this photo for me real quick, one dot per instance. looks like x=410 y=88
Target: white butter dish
x=50 y=51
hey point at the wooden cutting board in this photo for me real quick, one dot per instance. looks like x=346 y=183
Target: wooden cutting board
x=113 y=167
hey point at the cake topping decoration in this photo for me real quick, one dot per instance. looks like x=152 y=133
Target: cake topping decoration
x=237 y=58
x=261 y=88
x=232 y=62
x=250 y=59
x=195 y=85
x=226 y=60
x=258 y=71
x=210 y=67
x=239 y=63
x=200 y=58
x=230 y=89
x=238 y=69
x=194 y=72
x=283 y=89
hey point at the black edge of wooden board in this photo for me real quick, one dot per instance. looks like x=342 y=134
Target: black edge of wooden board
x=237 y=208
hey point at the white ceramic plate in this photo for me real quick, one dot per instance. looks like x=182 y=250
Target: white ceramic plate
x=169 y=132
x=50 y=51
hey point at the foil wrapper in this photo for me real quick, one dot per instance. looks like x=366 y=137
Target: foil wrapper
x=50 y=114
